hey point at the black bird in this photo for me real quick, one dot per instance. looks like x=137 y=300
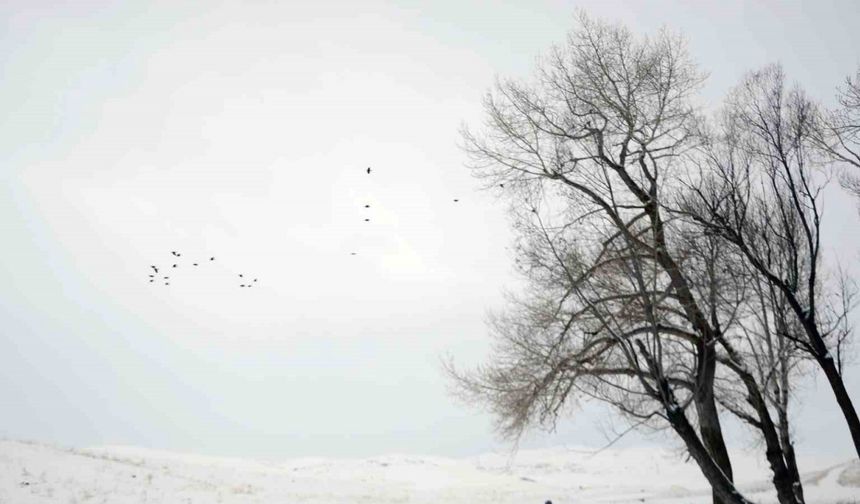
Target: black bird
x=195 y=264
x=153 y=267
x=502 y=186
x=211 y=258
x=366 y=206
x=151 y=280
x=242 y=285
x=352 y=253
x=174 y=265
x=175 y=253
x=368 y=170
x=366 y=220
x=456 y=200
x=255 y=279
x=166 y=278
x=240 y=276
x=166 y=283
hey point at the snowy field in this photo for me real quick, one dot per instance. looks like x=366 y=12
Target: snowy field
x=37 y=473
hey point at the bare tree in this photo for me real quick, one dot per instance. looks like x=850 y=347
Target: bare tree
x=760 y=192
x=603 y=127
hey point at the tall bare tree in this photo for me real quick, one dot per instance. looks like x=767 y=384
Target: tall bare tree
x=761 y=192
x=604 y=126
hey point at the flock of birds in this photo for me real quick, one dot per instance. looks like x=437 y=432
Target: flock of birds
x=176 y=262
x=158 y=273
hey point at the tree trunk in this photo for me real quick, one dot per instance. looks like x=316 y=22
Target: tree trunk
x=785 y=433
x=784 y=480
x=842 y=397
x=723 y=489
x=709 y=420
x=791 y=464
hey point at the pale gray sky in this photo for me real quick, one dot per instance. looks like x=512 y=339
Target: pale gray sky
x=242 y=130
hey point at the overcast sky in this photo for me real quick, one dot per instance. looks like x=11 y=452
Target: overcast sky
x=242 y=131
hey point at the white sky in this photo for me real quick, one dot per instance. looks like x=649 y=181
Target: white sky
x=130 y=129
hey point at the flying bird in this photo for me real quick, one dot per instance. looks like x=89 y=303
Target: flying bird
x=195 y=264
x=366 y=220
x=456 y=200
x=211 y=258
x=255 y=279
x=153 y=267
x=175 y=253
x=366 y=206
x=174 y=265
x=368 y=170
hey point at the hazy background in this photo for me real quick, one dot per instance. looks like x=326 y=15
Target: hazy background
x=129 y=129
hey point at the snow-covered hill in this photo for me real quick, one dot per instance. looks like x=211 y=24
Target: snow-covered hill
x=37 y=473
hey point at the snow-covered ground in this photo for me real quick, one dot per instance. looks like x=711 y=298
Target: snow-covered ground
x=37 y=473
